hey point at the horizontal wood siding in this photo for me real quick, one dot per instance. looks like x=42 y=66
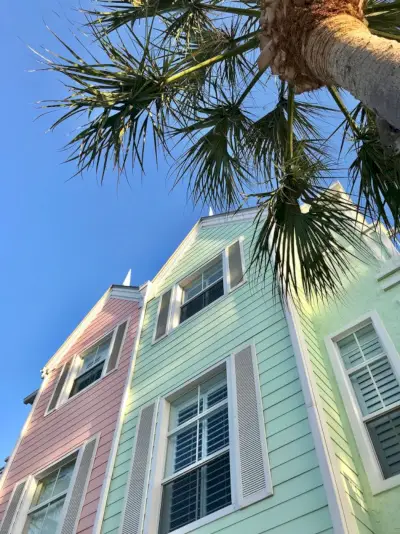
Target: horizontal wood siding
x=50 y=437
x=248 y=314
x=329 y=396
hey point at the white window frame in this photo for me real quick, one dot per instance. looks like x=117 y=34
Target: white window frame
x=173 y=321
x=158 y=464
x=77 y=362
x=358 y=421
x=30 y=489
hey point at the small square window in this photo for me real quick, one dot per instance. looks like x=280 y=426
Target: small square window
x=92 y=366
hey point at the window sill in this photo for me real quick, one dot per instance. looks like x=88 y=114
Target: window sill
x=385 y=484
x=204 y=520
x=70 y=399
x=193 y=317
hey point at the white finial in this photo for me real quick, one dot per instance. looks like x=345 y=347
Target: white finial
x=127 y=281
x=210 y=212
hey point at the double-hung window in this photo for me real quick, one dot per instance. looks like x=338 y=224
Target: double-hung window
x=367 y=373
x=200 y=451
x=48 y=501
x=91 y=365
x=86 y=368
x=201 y=288
x=197 y=481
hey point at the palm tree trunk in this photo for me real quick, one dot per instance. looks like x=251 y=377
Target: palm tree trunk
x=342 y=51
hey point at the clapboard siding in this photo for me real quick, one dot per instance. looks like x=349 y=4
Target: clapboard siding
x=248 y=314
x=329 y=397
x=50 y=437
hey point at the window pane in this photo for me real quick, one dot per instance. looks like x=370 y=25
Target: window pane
x=185 y=448
x=52 y=517
x=385 y=435
x=196 y=494
x=64 y=478
x=180 y=502
x=217 y=431
x=83 y=381
x=212 y=274
x=218 y=484
x=44 y=490
x=193 y=288
x=217 y=396
x=36 y=521
x=375 y=386
x=201 y=301
x=96 y=355
x=187 y=413
x=360 y=346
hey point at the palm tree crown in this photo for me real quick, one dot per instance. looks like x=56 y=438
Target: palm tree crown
x=183 y=73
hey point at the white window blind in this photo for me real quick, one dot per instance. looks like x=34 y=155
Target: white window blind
x=377 y=390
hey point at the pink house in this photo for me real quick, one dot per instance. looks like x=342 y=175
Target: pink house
x=56 y=478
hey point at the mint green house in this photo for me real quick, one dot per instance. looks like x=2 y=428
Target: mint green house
x=243 y=416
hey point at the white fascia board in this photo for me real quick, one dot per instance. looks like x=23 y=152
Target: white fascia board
x=54 y=360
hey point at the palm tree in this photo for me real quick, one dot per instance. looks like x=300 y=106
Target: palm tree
x=184 y=73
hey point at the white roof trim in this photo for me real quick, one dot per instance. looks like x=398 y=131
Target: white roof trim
x=112 y=292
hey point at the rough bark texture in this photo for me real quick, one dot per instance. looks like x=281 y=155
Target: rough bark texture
x=312 y=43
x=342 y=51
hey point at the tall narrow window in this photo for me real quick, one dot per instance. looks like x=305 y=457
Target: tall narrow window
x=202 y=289
x=47 y=504
x=377 y=390
x=92 y=365
x=197 y=478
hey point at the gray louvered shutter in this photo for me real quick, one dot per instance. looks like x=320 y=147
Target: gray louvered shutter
x=254 y=475
x=139 y=473
x=385 y=436
x=235 y=264
x=75 y=502
x=59 y=387
x=112 y=362
x=12 y=508
x=162 y=319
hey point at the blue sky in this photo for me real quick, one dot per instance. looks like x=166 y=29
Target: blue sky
x=62 y=242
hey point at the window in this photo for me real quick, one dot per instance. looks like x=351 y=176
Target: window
x=366 y=365
x=48 y=501
x=80 y=372
x=197 y=481
x=92 y=365
x=200 y=452
x=200 y=289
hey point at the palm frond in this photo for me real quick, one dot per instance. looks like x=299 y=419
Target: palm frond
x=213 y=165
x=384 y=18
x=309 y=249
x=267 y=139
x=122 y=99
x=375 y=174
x=120 y=13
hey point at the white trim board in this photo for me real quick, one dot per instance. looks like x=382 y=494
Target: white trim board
x=343 y=521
